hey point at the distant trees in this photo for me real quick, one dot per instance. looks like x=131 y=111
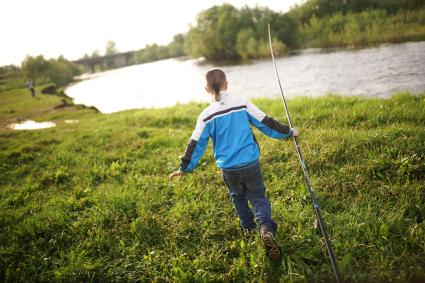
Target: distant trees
x=224 y=32
x=214 y=36
x=325 y=8
x=36 y=67
x=110 y=49
x=61 y=71
x=153 y=52
x=58 y=71
x=95 y=53
x=176 y=46
x=364 y=28
x=14 y=76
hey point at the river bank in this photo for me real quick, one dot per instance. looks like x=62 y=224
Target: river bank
x=91 y=201
x=371 y=72
x=49 y=104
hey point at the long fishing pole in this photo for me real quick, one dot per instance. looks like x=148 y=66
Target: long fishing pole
x=307 y=178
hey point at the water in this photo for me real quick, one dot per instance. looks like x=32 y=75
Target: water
x=32 y=125
x=372 y=72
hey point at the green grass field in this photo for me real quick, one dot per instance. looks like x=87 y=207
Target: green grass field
x=91 y=201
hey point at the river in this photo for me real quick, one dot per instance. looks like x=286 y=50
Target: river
x=373 y=72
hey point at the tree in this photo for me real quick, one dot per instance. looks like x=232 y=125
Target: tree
x=193 y=44
x=95 y=53
x=285 y=27
x=36 y=68
x=176 y=47
x=215 y=33
x=58 y=71
x=224 y=32
x=110 y=48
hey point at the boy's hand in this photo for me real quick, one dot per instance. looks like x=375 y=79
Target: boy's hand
x=295 y=132
x=176 y=174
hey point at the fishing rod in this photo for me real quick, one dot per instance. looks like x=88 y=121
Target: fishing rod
x=307 y=178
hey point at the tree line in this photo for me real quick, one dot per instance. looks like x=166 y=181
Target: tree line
x=153 y=52
x=225 y=32
x=61 y=71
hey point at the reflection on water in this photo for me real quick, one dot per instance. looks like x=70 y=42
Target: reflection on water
x=31 y=125
x=378 y=72
x=158 y=84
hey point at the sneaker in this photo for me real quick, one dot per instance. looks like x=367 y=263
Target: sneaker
x=272 y=248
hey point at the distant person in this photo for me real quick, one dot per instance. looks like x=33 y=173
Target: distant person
x=31 y=86
x=227 y=122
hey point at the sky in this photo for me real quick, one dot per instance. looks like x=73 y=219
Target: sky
x=73 y=28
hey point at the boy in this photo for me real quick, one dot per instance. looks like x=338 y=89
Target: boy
x=227 y=122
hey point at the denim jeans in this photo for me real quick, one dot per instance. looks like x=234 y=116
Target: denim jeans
x=246 y=184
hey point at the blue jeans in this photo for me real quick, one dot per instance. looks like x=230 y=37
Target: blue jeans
x=246 y=184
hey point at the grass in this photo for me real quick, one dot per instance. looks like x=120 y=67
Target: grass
x=91 y=201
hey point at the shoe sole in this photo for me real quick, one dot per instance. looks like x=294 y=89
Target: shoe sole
x=273 y=249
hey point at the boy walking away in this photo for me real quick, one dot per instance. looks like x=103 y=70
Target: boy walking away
x=227 y=122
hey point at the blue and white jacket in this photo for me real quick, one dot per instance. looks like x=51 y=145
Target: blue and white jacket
x=227 y=122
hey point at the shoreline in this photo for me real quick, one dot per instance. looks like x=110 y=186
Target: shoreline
x=315 y=70
x=71 y=107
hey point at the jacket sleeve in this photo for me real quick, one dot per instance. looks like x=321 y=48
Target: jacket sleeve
x=196 y=147
x=267 y=125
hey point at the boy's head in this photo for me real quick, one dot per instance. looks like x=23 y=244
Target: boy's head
x=216 y=81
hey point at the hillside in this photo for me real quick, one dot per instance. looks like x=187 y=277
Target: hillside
x=90 y=201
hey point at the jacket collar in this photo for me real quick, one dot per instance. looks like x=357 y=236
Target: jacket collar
x=223 y=96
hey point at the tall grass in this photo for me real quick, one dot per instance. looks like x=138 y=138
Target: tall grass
x=91 y=201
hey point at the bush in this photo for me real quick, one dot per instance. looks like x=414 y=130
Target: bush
x=58 y=71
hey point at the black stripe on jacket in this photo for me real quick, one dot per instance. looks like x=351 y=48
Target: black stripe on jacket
x=223 y=112
x=185 y=160
x=275 y=125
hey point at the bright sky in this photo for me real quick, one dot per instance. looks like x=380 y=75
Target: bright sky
x=73 y=28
